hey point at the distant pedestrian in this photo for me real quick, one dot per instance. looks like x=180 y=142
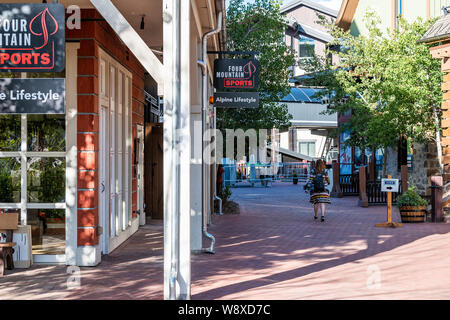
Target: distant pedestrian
x=316 y=185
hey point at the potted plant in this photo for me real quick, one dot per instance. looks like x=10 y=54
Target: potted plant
x=294 y=177
x=412 y=206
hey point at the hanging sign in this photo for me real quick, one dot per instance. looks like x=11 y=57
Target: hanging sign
x=236 y=74
x=32 y=37
x=236 y=99
x=41 y=96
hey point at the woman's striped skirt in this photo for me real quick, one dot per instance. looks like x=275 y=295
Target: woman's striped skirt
x=320 y=197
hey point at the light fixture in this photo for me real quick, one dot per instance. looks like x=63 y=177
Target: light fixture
x=44 y=1
x=142 y=22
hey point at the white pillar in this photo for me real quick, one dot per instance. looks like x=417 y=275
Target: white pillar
x=176 y=19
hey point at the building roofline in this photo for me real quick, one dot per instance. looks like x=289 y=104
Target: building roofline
x=346 y=13
x=310 y=4
x=314 y=33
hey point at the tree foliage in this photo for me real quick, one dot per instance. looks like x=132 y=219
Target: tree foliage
x=387 y=80
x=259 y=26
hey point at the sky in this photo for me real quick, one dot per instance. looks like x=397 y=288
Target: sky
x=334 y=4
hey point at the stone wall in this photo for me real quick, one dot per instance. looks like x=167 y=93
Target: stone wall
x=425 y=165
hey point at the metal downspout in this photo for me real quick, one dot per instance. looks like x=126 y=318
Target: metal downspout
x=203 y=64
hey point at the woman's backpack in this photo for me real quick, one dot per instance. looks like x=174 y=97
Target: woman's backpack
x=319 y=182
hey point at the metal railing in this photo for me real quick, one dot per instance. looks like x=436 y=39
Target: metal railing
x=349 y=184
x=154 y=105
x=375 y=196
x=253 y=173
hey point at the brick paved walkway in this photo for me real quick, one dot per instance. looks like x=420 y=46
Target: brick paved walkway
x=272 y=250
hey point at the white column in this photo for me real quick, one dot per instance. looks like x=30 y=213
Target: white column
x=176 y=32
x=71 y=155
x=184 y=279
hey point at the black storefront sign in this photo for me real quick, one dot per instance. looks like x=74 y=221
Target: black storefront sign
x=236 y=74
x=32 y=37
x=236 y=99
x=41 y=96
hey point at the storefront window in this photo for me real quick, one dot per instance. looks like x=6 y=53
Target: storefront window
x=46 y=180
x=379 y=158
x=43 y=171
x=46 y=133
x=359 y=159
x=47 y=230
x=345 y=157
x=9 y=180
x=33 y=152
x=9 y=132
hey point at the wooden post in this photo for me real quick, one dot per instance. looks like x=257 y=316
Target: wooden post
x=436 y=199
x=372 y=165
x=404 y=178
x=363 y=201
x=389 y=223
x=336 y=192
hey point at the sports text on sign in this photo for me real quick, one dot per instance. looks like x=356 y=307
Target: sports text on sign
x=236 y=74
x=32 y=37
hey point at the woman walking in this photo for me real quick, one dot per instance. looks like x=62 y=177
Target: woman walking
x=319 y=194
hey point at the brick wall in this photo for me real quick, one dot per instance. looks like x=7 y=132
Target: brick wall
x=92 y=35
x=445 y=141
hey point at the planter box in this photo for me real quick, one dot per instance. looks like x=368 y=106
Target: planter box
x=412 y=214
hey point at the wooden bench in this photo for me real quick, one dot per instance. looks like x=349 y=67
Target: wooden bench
x=8 y=223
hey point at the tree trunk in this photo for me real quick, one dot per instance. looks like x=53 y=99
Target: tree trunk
x=384 y=161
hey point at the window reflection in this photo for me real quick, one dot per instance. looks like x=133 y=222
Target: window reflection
x=46 y=133
x=9 y=132
x=9 y=180
x=47 y=230
x=46 y=180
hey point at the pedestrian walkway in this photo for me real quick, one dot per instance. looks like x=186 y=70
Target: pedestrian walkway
x=272 y=250
x=134 y=271
x=275 y=250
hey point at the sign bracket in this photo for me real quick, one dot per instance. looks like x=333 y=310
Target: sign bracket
x=220 y=53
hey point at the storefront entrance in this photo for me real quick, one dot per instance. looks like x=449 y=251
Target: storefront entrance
x=115 y=191
x=154 y=171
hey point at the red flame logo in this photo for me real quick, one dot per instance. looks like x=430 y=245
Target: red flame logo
x=43 y=24
x=249 y=68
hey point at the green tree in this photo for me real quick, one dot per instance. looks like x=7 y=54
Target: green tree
x=259 y=26
x=387 y=80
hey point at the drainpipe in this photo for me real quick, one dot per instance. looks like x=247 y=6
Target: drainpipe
x=202 y=63
x=216 y=197
x=220 y=203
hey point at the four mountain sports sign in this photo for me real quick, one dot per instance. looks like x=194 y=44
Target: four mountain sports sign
x=32 y=39
x=236 y=81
